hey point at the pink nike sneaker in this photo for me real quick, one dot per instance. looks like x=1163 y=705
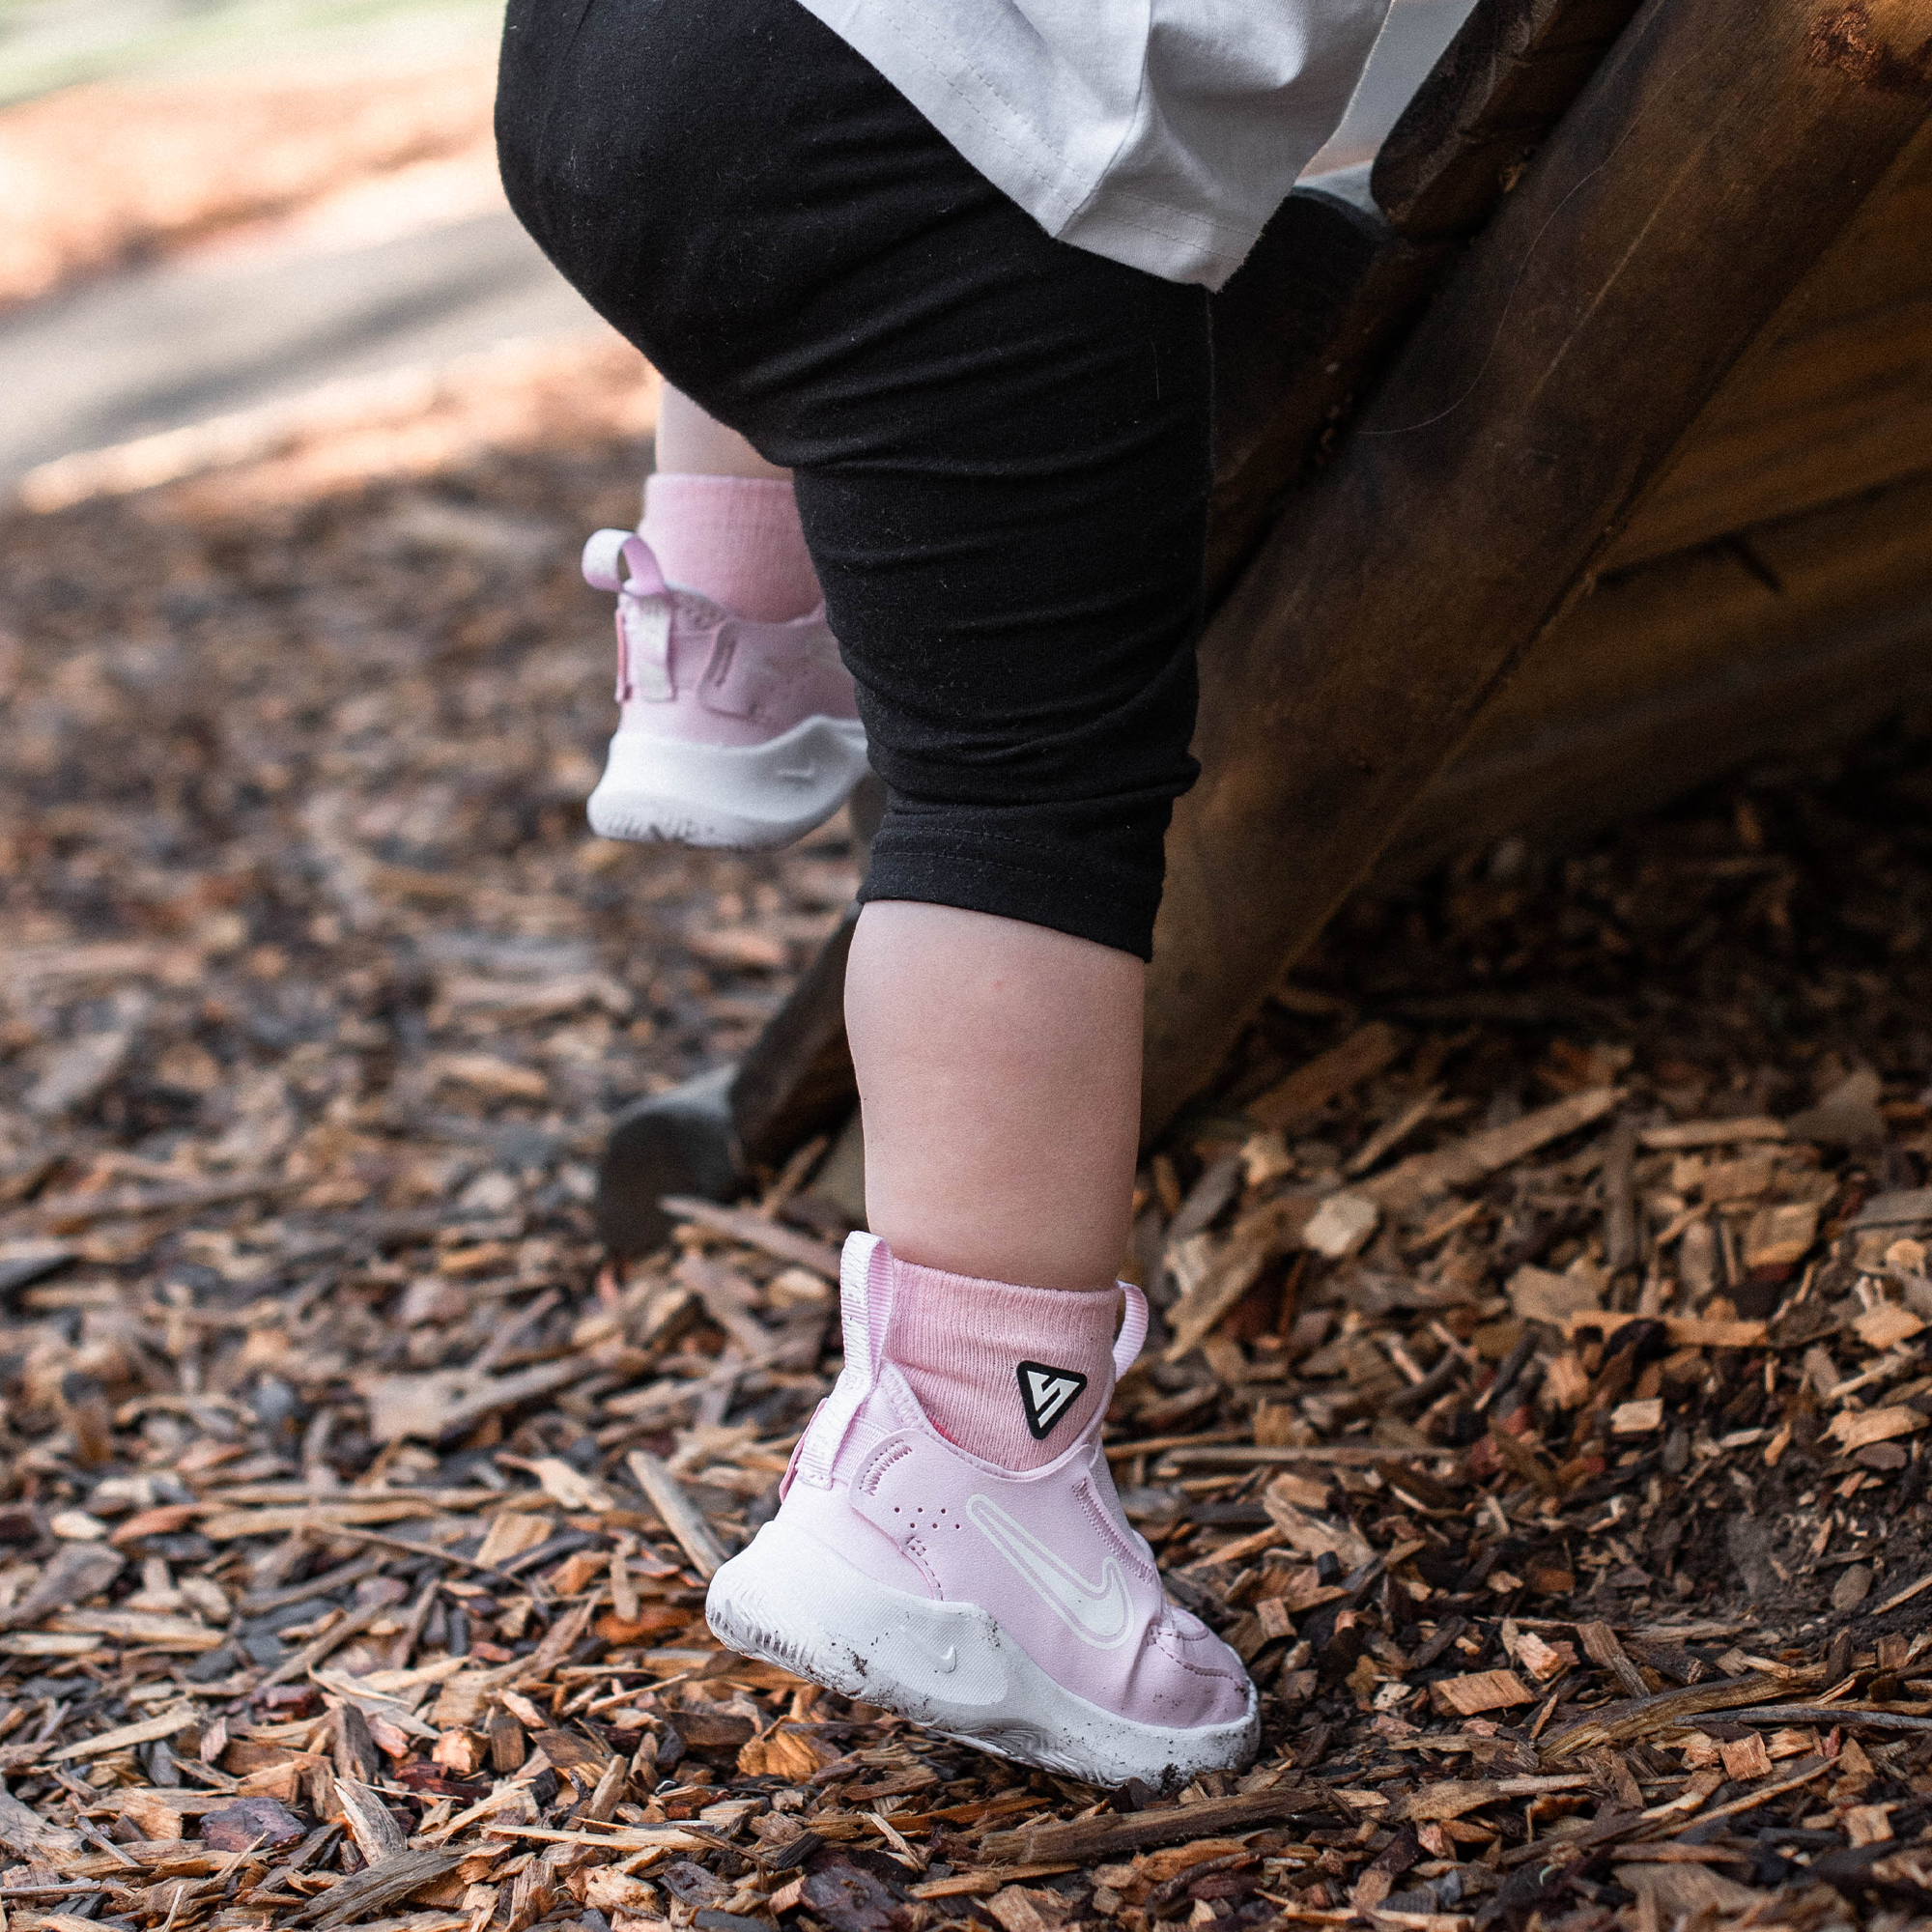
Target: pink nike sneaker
x=733 y=733
x=1018 y=1612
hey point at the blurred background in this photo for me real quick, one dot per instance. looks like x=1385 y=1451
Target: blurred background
x=234 y=207
x=285 y=209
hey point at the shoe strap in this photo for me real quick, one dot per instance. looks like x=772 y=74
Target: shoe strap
x=622 y=561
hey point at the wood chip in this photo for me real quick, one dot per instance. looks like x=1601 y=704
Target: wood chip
x=436 y=1406
x=1310 y=1088
x=368 y=1893
x=1254 y=1242
x=1085 y=1840
x=1422 y=1176
x=376 y=1835
x=1886 y=1326
x=683 y=1522
x=1855 y=1429
x=1781 y=1236
x=1479 y=1692
x=170 y=1723
x=1454 y=1797
x=1637 y=1418
x=1341 y=1224
x=1538 y=1296
x=1712 y=1133
x=782 y=1243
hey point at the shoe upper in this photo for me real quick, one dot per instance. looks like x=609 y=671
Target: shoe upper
x=690 y=670
x=1048 y=1552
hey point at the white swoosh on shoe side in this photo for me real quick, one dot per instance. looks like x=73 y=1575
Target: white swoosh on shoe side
x=1096 y=1613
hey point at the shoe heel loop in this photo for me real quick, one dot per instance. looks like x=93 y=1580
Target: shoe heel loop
x=622 y=560
x=864 y=1294
x=1133 y=1329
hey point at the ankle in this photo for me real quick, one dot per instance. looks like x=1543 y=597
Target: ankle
x=1048 y=1267
x=1011 y=1373
x=735 y=539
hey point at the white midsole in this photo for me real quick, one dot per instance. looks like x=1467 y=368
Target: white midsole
x=731 y=795
x=948 y=1666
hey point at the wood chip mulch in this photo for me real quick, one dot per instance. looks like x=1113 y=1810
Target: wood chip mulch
x=1538 y=1400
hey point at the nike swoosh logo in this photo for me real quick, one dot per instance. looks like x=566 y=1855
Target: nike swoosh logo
x=1096 y=1613
x=948 y=1660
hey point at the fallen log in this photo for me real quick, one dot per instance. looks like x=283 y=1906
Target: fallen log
x=1708 y=164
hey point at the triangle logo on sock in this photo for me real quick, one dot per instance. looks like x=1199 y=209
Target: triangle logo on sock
x=1046 y=1394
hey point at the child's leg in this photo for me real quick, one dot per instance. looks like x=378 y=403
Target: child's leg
x=739 y=724
x=998 y=1063
x=690 y=443
x=1000 y=1069
x=723 y=521
x=999 y=451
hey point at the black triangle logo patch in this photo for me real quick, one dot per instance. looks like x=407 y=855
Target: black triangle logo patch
x=1046 y=1394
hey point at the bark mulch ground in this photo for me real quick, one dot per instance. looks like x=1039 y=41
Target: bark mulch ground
x=1538 y=1397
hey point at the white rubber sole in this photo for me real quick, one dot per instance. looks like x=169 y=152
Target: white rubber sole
x=742 y=797
x=948 y=1666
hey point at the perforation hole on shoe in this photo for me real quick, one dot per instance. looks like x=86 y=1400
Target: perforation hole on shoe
x=934 y=1521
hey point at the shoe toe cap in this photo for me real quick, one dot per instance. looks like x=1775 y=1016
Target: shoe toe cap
x=1201 y=1680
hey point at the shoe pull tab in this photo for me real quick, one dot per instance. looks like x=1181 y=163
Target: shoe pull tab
x=622 y=561
x=865 y=1303
x=1133 y=1329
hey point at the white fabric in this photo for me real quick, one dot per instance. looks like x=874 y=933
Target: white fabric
x=863 y=1317
x=1161 y=134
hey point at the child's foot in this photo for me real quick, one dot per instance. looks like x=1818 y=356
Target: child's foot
x=734 y=733
x=1015 y=1610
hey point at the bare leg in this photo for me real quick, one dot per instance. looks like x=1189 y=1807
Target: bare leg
x=1000 y=1070
x=691 y=443
x=724 y=521
x=998 y=1063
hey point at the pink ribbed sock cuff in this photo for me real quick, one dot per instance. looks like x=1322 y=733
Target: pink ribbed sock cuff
x=1010 y=1374
x=735 y=539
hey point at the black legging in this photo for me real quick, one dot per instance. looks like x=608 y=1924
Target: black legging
x=999 y=442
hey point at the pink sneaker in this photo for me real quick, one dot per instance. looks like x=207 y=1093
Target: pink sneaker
x=1021 y=1613
x=733 y=733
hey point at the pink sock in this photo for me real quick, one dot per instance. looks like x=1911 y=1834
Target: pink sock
x=1011 y=1375
x=735 y=539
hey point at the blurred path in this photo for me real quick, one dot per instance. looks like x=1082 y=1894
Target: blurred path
x=400 y=254
x=200 y=337
x=53 y=44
